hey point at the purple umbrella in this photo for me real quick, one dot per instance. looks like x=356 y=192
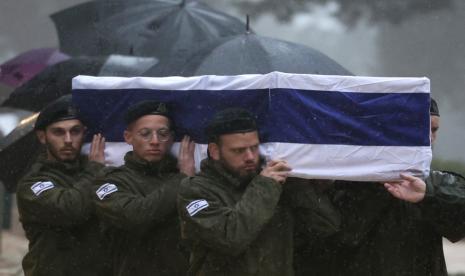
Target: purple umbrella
x=23 y=67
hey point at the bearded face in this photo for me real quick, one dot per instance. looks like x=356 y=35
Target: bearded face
x=238 y=153
x=63 y=140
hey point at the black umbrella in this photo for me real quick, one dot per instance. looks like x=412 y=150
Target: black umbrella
x=5 y=91
x=55 y=81
x=167 y=28
x=142 y=27
x=20 y=147
x=51 y=83
x=17 y=150
x=251 y=54
x=77 y=31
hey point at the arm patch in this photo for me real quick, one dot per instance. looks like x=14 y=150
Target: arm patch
x=196 y=206
x=105 y=190
x=40 y=187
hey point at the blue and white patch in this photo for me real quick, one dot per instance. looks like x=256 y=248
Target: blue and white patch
x=196 y=206
x=105 y=190
x=42 y=186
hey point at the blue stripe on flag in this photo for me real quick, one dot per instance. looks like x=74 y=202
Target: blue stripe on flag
x=284 y=115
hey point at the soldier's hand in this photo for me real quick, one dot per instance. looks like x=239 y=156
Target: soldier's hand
x=186 y=162
x=97 y=149
x=410 y=188
x=278 y=170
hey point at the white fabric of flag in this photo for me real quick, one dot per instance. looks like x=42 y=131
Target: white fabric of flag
x=326 y=127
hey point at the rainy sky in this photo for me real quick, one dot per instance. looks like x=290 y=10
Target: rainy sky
x=426 y=44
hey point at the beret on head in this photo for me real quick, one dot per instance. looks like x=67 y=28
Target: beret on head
x=231 y=120
x=433 y=108
x=143 y=108
x=60 y=110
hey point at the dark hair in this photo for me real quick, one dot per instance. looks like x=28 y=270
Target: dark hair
x=433 y=108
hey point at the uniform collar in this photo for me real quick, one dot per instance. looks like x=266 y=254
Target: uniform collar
x=167 y=165
x=215 y=168
x=69 y=167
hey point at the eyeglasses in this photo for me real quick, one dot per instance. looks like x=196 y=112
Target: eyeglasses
x=163 y=134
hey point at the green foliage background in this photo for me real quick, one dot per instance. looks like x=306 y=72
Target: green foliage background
x=448 y=165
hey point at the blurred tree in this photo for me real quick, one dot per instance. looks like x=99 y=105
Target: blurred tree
x=350 y=12
x=447 y=165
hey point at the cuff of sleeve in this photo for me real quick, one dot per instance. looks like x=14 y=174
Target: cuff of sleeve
x=269 y=181
x=428 y=202
x=429 y=193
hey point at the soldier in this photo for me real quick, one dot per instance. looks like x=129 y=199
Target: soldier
x=233 y=212
x=434 y=120
x=382 y=235
x=137 y=201
x=55 y=198
x=441 y=199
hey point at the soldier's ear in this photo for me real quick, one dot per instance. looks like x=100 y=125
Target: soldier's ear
x=41 y=136
x=128 y=137
x=214 y=151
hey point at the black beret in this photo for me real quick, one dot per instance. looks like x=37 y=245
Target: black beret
x=433 y=108
x=231 y=120
x=147 y=107
x=59 y=110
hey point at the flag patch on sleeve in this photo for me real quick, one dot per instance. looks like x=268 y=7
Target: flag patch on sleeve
x=40 y=187
x=105 y=190
x=196 y=206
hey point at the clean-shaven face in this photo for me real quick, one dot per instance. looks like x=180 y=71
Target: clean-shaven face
x=150 y=136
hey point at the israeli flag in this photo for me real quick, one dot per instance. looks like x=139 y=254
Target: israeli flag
x=325 y=127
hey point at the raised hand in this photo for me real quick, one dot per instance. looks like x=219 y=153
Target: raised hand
x=186 y=162
x=410 y=188
x=97 y=149
x=278 y=170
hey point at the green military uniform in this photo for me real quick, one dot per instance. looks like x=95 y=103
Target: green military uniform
x=58 y=215
x=137 y=204
x=316 y=216
x=238 y=228
x=382 y=235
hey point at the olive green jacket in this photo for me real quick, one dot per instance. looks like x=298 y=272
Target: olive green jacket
x=382 y=235
x=238 y=228
x=140 y=217
x=58 y=215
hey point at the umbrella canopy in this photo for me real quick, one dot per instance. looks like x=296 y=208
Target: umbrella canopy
x=5 y=91
x=55 y=81
x=166 y=28
x=77 y=31
x=17 y=152
x=141 y=27
x=251 y=54
x=23 y=67
x=20 y=146
x=51 y=83
x=10 y=118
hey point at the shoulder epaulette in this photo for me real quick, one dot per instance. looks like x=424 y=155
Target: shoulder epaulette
x=454 y=174
x=109 y=170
